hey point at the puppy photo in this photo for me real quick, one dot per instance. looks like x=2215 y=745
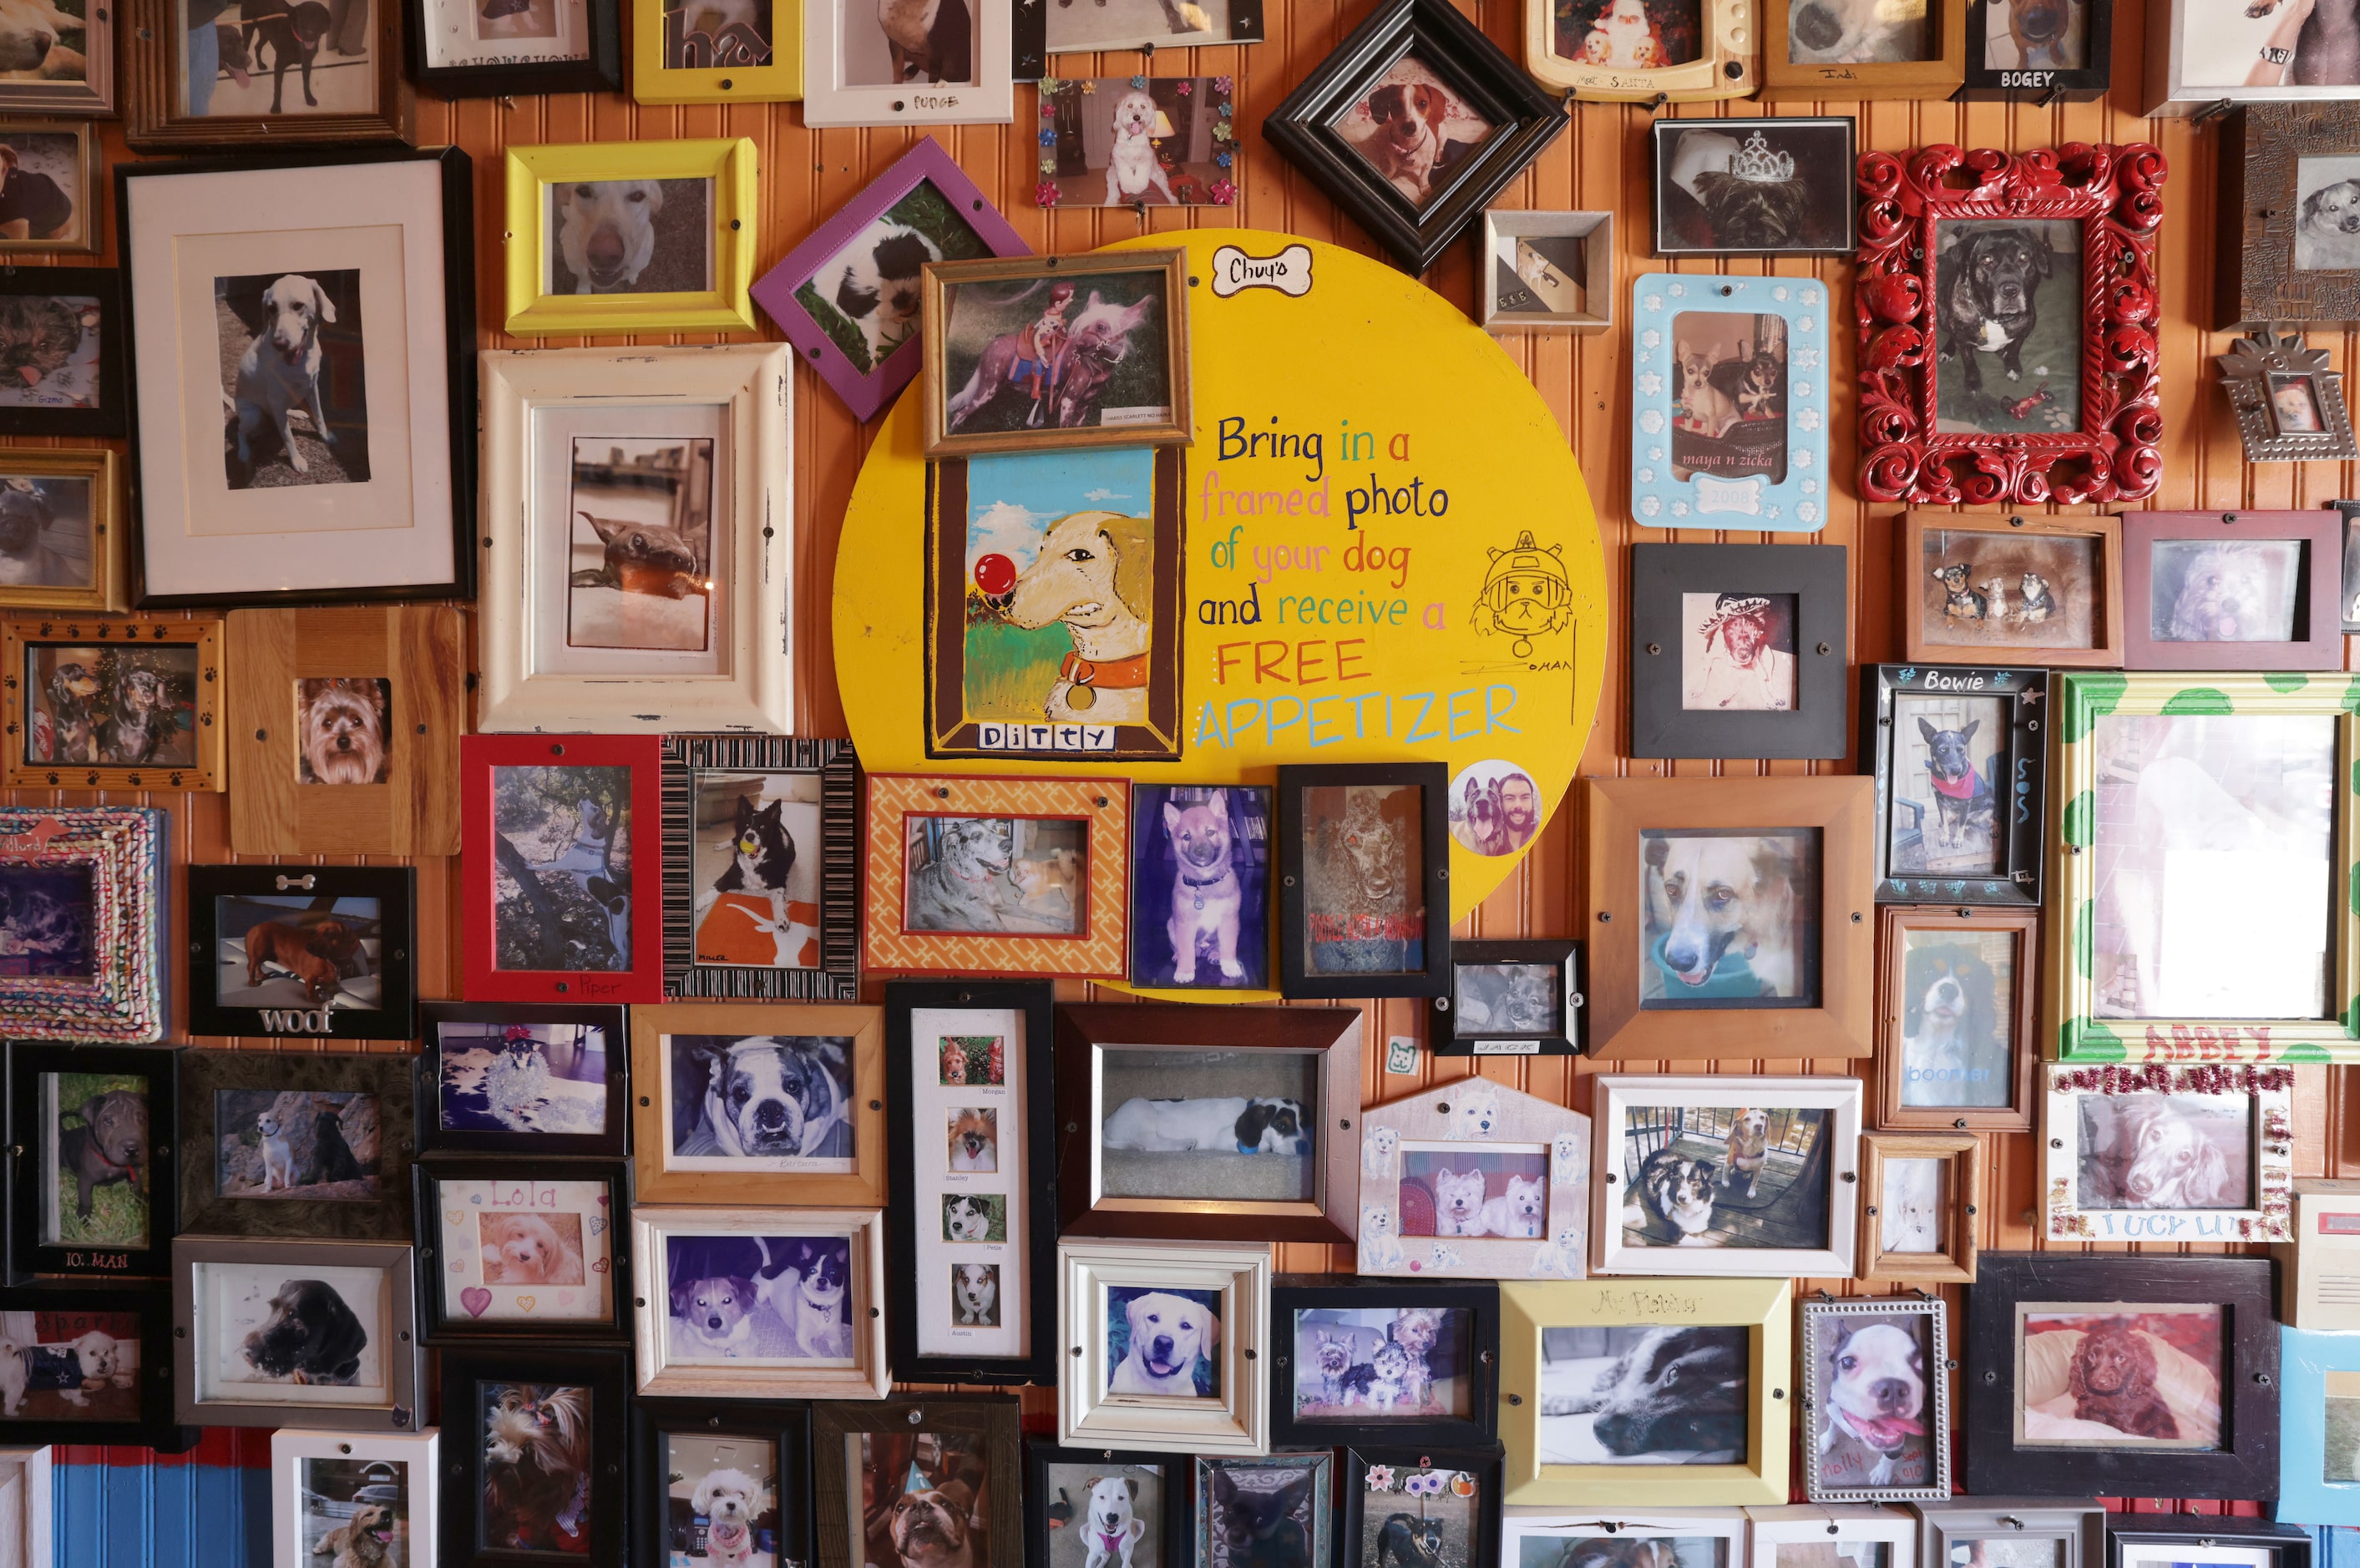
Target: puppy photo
x=2164 y=1152
x=974 y=1139
x=1163 y=1342
x=1644 y=1396
x=2327 y=215
x=96 y=1125
x=341 y=730
x=1114 y=143
x=533 y=1249
x=628 y=236
x=776 y=1100
x=730 y=1501
x=1871 y=1413
x=1199 y=886
x=2148 y=1378
x=975 y=1294
x=1755 y=186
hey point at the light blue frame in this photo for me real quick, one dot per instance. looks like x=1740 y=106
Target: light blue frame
x=1659 y=500
x=2305 y=1356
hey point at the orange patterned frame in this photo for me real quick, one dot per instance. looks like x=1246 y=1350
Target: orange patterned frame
x=1098 y=950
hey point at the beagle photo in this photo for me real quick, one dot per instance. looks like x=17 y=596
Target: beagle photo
x=1414 y=130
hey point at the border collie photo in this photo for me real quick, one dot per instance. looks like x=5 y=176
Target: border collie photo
x=757 y=1298
x=294 y=949
x=1200 y=887
x=759 y=1102
x=561 y=856
x=69 y=1366
x=1644 y=1395
x=293 y=372
x=521 y=1077
x=867 y=296
x=309 y=1144
x=754 y=863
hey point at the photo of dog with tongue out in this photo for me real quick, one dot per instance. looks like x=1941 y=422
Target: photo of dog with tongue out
x=1732 y=920
x=1163 y=1342
x=1874 y=1381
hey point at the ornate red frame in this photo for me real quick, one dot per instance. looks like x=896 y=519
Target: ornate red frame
x=2114 y=190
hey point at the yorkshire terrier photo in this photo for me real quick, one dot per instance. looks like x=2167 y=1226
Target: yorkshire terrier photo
x=343 y=725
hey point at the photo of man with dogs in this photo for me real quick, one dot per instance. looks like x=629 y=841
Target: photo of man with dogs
x=239 y=54
x=2007 y=318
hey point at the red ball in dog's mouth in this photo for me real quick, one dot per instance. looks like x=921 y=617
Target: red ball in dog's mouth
x=995 y=574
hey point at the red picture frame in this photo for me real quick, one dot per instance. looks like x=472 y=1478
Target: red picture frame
x=2114 y=193
x=2318 y=640
x=586 y=858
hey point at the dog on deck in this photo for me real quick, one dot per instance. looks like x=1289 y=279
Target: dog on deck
x=294 y=33
x=881 y=286
x=975 y=1140
x=1095 y=573
x=1167 y=1333
x=1681 y=1191
x=1748 y=1150
x=1230 y=1124
x=729 y=1501
x=342 y=731
x=1876 y=1392
x=1206 y=898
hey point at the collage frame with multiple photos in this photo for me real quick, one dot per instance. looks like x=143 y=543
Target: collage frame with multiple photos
x=991 y=1417
x=786 y=1425
x=158 y=1424
x=2104 y=534
x=20 y=640
x=1820 y=1373
x=604 y=1374
x=1430 y=886
x=1236 y=1417
x=728 y=162
x=2020 y=823
x=1447 y=1036
x=1664 y=577
x=1474 y=1118
x=205 y=1075
x=611 y=1142
x=439 y=1326
x=2268 y=1165
x=394 y=889
x=1953 y=1260
x=1477 y=1300
x=403 y=1358
x=25 y=1179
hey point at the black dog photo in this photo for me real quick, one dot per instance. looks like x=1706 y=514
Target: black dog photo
x=292 y=378
x=320 y=1327
x=1767 y=186
x=111 y=707
x=2007 y=317
x=1644 y=1396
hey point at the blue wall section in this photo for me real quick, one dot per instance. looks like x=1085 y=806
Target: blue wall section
x=128 y=1508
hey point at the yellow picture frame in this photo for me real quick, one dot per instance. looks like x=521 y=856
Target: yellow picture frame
x=108 y=541
x=780 y=81
x=726 y=307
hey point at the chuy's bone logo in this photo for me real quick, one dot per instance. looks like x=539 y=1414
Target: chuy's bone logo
x=1289 y=271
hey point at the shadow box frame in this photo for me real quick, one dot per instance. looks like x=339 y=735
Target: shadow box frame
x=418 y=1453
x=2114 y=193
x=776 y=81
x=1172 y=1470
x=1478 y=1115
x=2070 y=991
x=2264 y=361
x=1086 y=1031
x=2319 y=619
x=1842 y=812
x=1485 y=1468
x=530 y=311
x=30 y=1260
x=481 y=758
x=2128 y=1532
x=1954 y=1263
x=2023 y=789
x=204 y=774
x=159 y=1426
x=865 y=1186
x=1662 y=140
x=1296 y=982
x=2077 y=1531
x=1236 y=1419
x=2270 y=1127
x=1725 y=69
x=403 y=1407
x=1479 y=1298
x=1762 y=1307
x=1477 y=71
x=102 y=468
x=395 y=888
x=2245 y=1464
x=784 y=1423
x=94 y=96
x=2258 y=216
x=1812 y=1524
x=2168 y=90
x=1035 y=1259
x=1786 y=81
x=2104 y=532
x=599 y=69
x=613 y=1142
x=992 y=1417
x=606 y=1374
x=1444 y=1037
x=1813 y=1367
x=205 y=1074
x=88 y=180
x=438 y=1327
x=2043 y=86
x=154 y=50
x=2304 y=1494
x=1495 y=248
x=125 y=850
x=111 y=287
x=1663 y=578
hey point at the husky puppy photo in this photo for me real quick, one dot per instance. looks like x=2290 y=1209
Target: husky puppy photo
x=1200 y=885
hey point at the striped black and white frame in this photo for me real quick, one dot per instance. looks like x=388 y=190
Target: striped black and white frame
x=838 y=771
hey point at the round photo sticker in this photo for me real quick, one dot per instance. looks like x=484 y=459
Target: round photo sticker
x=1495 y=807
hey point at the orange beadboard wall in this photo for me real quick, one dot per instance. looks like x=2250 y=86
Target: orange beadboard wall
x=1603 y=161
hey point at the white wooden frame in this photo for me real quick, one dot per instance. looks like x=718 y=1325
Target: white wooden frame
x=2318 y=1268
x=1473 y=1112
x=1822 y=1524
x=1235 y=1421
x=2270 y=1089
x=26 y=1498
x=866 y=1378
x=1518 y=1524
x=829 y=102
x=754 y=688
x=419 y=1452
x=2169 y=93
x=1618 y=1092
x=1596 y=232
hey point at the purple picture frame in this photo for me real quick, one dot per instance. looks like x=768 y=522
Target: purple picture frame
x=865 y=393
x=2317 y=642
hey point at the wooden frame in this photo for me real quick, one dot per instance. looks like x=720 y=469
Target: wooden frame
x=736 y=74
x=605 y=1375
x=2013 y=789
x=853 y=1181
x=2268 y=1093
x=1099 y=950
x=1479 y=1470
x=2258 y=216
x=312 y=896
x=784 y=1427
x=1769 y=1528
x=2019 y=79
x=2315 y=1262
x=2148 y=1540
x=110 y=415
x=1478 y=73
x=105 y=537
x=1430 y=886
x=122 y=1002
x=155 y=1426
x=2113 y=193
x=534 y=311
x=992 y=1418
x=1473 y=1117
x=1788 y=81
x=2076 y=1531
x=1165 y=276
x=1723 y=67
x=1504 y=293
x=205 y=1075
x=2073 y=980
x=488 y=73
x=2019 y=1012
x=1684 y=225
x=28 y=715
x=35 y=1160
x=156 y=94
x=92 y=95
x=1841 y=811
x=1839 y=1459
x=1450 y=1033
x=1234 y=1418
x=512 y=1025
x=83 y=189
x=2259 y=371
x=2309 y=1357
x=1927 y=636
x=919 y=1064
x=2203 y=76
x=662 y=1371
x=1762 y=1308
x=2244 y=1461
x=482 y=760
x=1954 y=1211
x=413 y=809
x=1666 y=577
x=457 y=1295
x=988 y=100
x=403 y=1363
x=1475 y=1301
x=419 y=1518
x=1171 y=1515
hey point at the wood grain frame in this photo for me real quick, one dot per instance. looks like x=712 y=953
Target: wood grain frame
x=1786 y=81
x=2270 y=1092
x=1723 y=69
x=2258 y=364
x=444 y=1322
x=2018 y=793
x=1963 y=1153
x=991 y=1417
x=87 y=183
x=786 y=1425
x=2078 y=1532
x=155 y=46
x=2021 y=1007
x=94 y=95
x=204 y=1075
x=773 y=1377
x=1478 y=1300
x=2318 y=643
x=32 y=1164
x=1821 y=1329
x=2105 y=534
x=1479 y=1111
x=1843 y=813
x=19 y=703
x=2046 y=86
x=605 y=1373
x=2258 y=216
x=415 y=810
x=1235 y=1418
x=109 y=537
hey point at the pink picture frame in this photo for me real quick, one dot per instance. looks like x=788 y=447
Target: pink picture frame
x=2163 y=608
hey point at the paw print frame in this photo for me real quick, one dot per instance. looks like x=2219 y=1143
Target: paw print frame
x=1420 y=1219
x=1729 y=405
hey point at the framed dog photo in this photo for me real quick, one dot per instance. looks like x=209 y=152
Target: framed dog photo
x=63 y=545
x=363 y=1496
x=1109 y=141
x=1678 y=1391
x=505 y=1078
x=1725 y=1175
x=1961 y=768
x=1708 y=1537
x=2042 y=50
x=1069 y=30
x=956 y=66
x=1242 y=1502
x=2165 y=1368
x=534 y=1446
x=1127 y=1508
x=1816 y=49
x=1864 y=1536
x=295 y=1332
x=2319 y=1458
x=2288 y=188
x=952 y=1468
x=62 y=341
x=1767 y=186
x=2289 y=405
x=295 y=1144
x=1510 y=998
x=1443 y=1504
x=1163 y=1345
x=732 y=1479
x=1670 y=51
x=88 y=1197
x=72 y=62
x=1877 y=1394
x=1200 y=888
x=1474 y=1179
x=695 y=51
x=309 y=949
x=2012 y=1532
x=48 y=187
x=1737 y=651
x=1955 y=1032
x=111 y=704
x=2145 y=1540
x=760 y=1303
x=631 y=237
x=1364 y=896
x=2162 y=1152
x=515 y=1252
x=187 y=84
x=742 y=1102
x=2024 y=588
x=86 y=911
x=1543 y=272
x=89 y=1364
x=538 y=46
x=1371 y=1362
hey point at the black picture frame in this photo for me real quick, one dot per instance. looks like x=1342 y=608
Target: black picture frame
x=991 y=1417
x=787 y=1423
x=154 y=1428
x=1448 y=1034
x=1473 y=68
x=1034 y=1000
x=1432 y=883
x=32 y=1261
x=613 y=1142
x=2289 y=1546
x=1488 y=1465
x=1676 y=210
x=2350 y=512
x=2020 y=805
x=204 y=1075
x=1171 y=1542
x=1663 y=576
x=602 y=72
x=606 y=1374
x=2094 y=78
x=438 y=1327
x=113 y=415
x=2245 y=1464
x=1294 y=1293
x=395 y=887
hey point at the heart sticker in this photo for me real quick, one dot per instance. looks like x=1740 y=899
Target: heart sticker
x=477 y=1199
x=458 y=1268
x=477 y=1300
x=454 y=1215
x=597 y=1226
x=566 y=1298
x=599 y=1266
x=602 y=1200
x=525 y=1303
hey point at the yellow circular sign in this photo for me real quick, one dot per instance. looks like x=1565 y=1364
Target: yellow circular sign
x=1378 y=550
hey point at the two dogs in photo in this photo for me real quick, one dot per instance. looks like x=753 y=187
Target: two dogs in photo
x=790 y=1304
x=1682 y=1190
